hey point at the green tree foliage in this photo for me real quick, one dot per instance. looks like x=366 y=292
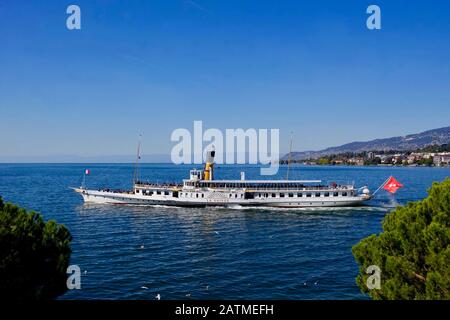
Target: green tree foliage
x=34 y=255
x=324 y=161
x=427 y=162
x=371 y=162
x=413 y=251
x=436 y=148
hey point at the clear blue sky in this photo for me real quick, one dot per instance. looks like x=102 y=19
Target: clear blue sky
x=311 y=67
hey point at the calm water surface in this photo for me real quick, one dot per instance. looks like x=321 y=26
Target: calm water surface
x=131 y=252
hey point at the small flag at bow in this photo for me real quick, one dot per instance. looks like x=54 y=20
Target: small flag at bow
x=392 y=185
x=87 y=171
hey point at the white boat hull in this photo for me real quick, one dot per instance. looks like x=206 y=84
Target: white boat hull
x=216 y=199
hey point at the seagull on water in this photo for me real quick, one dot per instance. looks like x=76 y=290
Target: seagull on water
x=158 y=297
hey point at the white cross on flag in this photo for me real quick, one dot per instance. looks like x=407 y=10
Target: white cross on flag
x=392 y=185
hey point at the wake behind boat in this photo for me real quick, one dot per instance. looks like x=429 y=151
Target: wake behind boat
x=201 y=190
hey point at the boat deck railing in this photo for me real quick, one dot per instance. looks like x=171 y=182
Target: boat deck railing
x=157 y=185
x=247 y=188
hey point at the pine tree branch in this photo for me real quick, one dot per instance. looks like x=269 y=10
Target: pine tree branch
x=420 y=277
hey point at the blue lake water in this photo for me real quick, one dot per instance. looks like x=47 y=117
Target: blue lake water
x=131 y=252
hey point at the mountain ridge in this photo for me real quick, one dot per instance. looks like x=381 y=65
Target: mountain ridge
x=401 y=143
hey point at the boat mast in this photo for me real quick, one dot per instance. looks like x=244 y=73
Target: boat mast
x=289 y=158
x=136 y=166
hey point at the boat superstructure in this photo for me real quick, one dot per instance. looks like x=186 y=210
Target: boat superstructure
x=201 y=189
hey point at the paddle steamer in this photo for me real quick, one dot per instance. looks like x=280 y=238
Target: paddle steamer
x=201 y=190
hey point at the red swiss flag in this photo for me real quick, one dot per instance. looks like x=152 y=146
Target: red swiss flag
x=392 y=185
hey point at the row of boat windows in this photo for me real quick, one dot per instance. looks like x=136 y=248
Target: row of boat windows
x=137 y=200
x=307 y=194
x=242 y=185
x=274 y=195
x=258 y=195
x=202 y=195
x=151 y=192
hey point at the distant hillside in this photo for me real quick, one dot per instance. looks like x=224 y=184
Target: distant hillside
x=409 y=142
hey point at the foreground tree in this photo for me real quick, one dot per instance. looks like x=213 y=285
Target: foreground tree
x=413 y=251
x=34 y=255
